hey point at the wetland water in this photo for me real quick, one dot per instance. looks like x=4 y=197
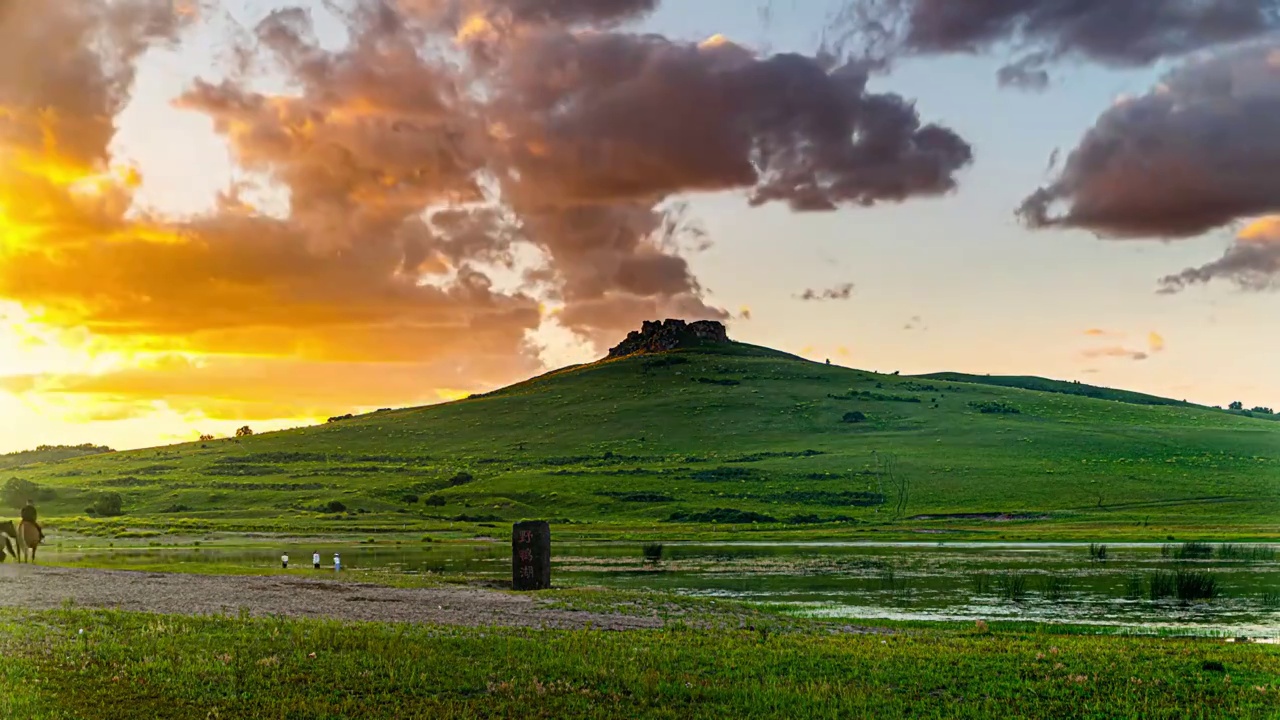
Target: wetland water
x=902 y=581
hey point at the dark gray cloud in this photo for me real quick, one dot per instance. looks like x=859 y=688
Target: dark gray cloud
x=1252 y=262
x=1118 y=33
x=606 y=117
x=1198 y=152
x=839 y=292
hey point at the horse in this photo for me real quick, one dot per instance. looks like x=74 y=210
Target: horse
x=28 y=541
x=7 y=531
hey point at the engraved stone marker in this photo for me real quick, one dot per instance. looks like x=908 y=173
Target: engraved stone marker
x=531 y=555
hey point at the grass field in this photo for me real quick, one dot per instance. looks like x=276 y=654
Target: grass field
x=710 y=442
x=82 y=664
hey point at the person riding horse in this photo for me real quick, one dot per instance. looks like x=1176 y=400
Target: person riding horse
x=29 y=516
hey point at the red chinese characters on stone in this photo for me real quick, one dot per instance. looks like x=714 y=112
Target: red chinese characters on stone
x=526 y=571
x=525 y=536
x=526 y=555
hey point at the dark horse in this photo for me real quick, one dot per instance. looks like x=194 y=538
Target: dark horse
x=7 y=530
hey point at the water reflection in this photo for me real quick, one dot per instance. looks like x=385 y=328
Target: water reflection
x=908 y=581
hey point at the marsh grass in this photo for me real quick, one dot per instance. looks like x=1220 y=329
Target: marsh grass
x=1246 y=552
x=1161 y=585
x=1012 y=585
x=1133 y=587
x=982 y=583
x=1097 y=551
x=1193 y=585
x=1185 y=585
x=892 y=584
x=1193 y=550
x=1054 y=586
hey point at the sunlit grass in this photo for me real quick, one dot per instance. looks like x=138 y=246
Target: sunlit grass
x=126 y=665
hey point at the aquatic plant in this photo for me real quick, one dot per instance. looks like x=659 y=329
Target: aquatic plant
x=1271 y=599
x=1161 y=584
x=1054 y=586
x=981 y=583
x=1190 y=585
x=1012 y=586
x=891 y=583
x=1249 y=553
x=1097 y=551
x=1193 y=550
x=1133 y=587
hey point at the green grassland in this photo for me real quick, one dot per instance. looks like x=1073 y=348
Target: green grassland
x=714 y=441
x=82 y=664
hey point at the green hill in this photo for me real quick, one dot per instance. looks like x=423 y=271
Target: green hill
x=744 y=437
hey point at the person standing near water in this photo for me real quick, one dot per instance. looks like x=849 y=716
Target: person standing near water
x=315 y=559
x=284 y=561
x=337 y=563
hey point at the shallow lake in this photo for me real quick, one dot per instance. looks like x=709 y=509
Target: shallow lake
x=903 y=581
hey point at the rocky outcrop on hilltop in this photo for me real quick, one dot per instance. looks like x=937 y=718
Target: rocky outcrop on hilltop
x=656 y=337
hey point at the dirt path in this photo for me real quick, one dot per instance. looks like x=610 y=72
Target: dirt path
x=41 y=588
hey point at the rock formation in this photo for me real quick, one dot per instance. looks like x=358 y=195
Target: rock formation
x=656 y=337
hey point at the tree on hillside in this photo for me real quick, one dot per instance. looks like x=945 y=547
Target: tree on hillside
x=206 y=438
x=1263 y=410
x=245 y=431
x=1237 y=405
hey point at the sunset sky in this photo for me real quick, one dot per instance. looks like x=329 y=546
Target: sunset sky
x=215 y=214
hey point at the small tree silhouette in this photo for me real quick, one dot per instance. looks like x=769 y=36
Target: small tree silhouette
x=245 y=431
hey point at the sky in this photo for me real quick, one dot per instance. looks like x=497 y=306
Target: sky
x=225 y=214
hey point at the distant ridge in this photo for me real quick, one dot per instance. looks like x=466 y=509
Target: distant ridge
x=1062 y=387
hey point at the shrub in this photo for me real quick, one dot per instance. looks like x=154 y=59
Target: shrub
x=335 y=506
x=179 y=508
x=854 y=417
x=109 y=505
x=245 y=431
x=340 y=418
x=204 y=437
x=409 y=499
x=721 y=515
x=435 y=501
x=995 y=408
x=461 y=478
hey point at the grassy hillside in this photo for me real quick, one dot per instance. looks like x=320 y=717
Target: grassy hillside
x=741 y=436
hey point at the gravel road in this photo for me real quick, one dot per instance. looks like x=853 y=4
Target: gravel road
x=39 y=587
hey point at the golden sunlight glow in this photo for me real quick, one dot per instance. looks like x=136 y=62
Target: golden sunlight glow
x=1263 y=230
x=476 y=28
x=714 y=41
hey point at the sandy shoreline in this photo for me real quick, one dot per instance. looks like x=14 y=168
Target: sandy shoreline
x=37 y=587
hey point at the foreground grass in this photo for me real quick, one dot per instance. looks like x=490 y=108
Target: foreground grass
x=135 y=665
